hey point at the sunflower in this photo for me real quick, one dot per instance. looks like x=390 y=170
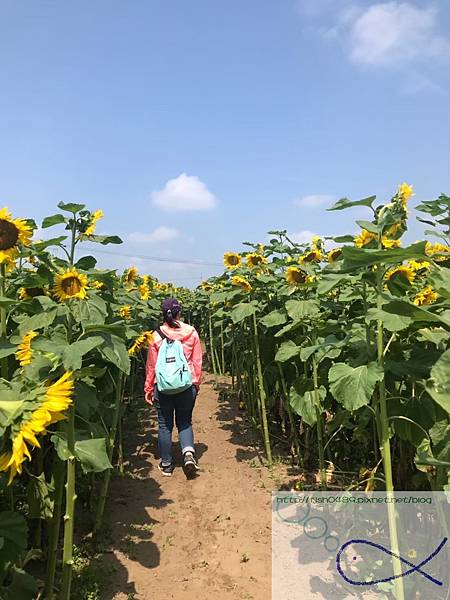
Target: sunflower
x=317 y=242
x=295 y=276
x=95 y=216
x=12 y=233
x=403 y=271
x=314 y=255
x=125 y=311
x=404 y=192
x=162 y=287
x=29 y=293
x=418 y=265
x=432 y=249
x=393 y=230
x=206 y=287
x=144 y=291
x=255 y=260
x=98 y=285
x=334 y=254
x=70 y=284
x=364 y=238
x=57 y=398
x=130 y=275
x=142 y=341
x=232 y=260
x=24 y=353
x=241 y=282
x=425 y=296
x=388 y=243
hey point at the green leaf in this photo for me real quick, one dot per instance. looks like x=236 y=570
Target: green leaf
x=7 y=301
x=274 y=318
x=369 y=226
x=437 y=336
x=417 y=313
x=14 y=531
x=85 y=263
x=329 y=281
x=60 y=442
x=39 y=246
x=353 y=387
x=23 y=586
x=105 y=239
x=303 y=402
x=115 y=351
x=391 y=321
x=92 y=455
x=90 y=311
x=346 y=203
x=242 y=311
x=10 y=408
x=38 y=321
x=299 y=309
x=438 y=386
x=71 y=207
x=287 y=351
x=118 y=328
x=6 y=348
x=439 y=280
x=53 y=220
x=356 y=258
x=73 y=354
x=40 y=503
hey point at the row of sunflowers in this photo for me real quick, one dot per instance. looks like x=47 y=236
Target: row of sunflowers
x=339 y=349
x=72 y=338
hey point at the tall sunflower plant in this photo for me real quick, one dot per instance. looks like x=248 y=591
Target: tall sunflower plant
x=58 y=321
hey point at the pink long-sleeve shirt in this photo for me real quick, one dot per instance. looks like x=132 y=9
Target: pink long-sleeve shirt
x=192 y=349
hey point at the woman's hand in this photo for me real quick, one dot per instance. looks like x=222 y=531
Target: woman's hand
x=149 y=397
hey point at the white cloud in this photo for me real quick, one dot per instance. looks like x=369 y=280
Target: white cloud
x=302 y=237
x=184 y=193
x=314 y=201
x=392 y=33
x=160 y=234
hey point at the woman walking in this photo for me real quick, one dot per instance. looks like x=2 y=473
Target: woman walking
x=172 y=382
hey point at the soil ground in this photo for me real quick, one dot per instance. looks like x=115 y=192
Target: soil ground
x=206 y=538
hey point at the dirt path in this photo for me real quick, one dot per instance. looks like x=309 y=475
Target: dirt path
x=203 y=539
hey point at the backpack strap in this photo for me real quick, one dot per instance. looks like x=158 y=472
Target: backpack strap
x=161 y=334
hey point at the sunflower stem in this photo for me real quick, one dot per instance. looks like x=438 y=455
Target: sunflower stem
x=73 y=241
x=222 y=347
x=3 y=330
x=59 y=473
x=262 y=394
x=70 y=507
x=385 y=446
x=319 y=418
x=112 y=440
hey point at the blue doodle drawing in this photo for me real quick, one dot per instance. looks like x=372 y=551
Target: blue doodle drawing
x=415 y=568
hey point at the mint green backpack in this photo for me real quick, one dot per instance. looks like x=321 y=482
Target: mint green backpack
x=172 y=370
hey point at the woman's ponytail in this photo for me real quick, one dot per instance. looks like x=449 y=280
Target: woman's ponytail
x=170 y=318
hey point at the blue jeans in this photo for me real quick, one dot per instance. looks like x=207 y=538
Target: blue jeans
x=182 y=405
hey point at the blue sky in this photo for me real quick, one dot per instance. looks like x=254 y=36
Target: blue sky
x=198 y=125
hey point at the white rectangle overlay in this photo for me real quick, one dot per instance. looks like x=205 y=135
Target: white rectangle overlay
x=373 y=546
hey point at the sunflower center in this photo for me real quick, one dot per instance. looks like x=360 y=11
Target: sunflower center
x=9 y=234
x=298 y=276
x=35 y=291
x=233 y=260
x=71 y=286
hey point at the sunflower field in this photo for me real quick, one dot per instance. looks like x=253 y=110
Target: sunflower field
x=72 y=350
x=339 y=350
